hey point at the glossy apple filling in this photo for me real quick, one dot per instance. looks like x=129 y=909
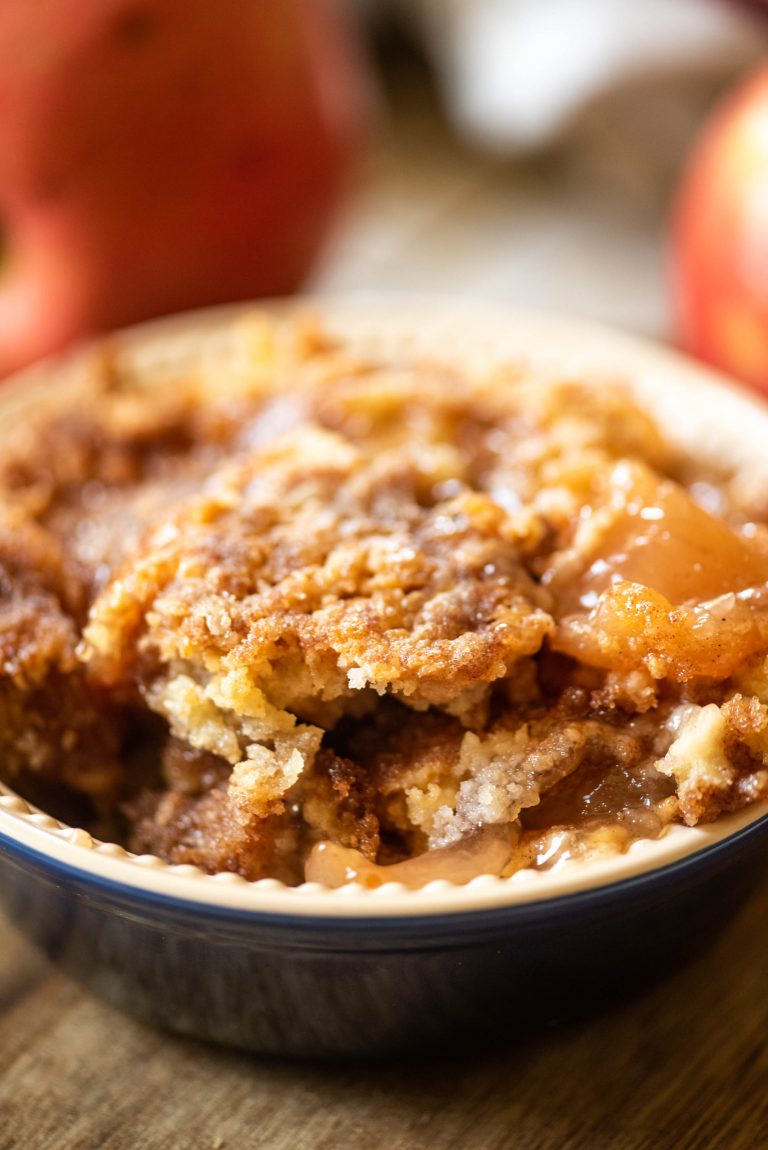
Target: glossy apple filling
x=304 y=613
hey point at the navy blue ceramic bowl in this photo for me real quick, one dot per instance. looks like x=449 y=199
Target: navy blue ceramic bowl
x=314 y=972
x=310 y=971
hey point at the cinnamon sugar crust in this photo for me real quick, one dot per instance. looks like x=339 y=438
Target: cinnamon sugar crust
x=304 y=601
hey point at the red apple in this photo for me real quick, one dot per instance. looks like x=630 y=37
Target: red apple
x=719 y=242
x=157 y=155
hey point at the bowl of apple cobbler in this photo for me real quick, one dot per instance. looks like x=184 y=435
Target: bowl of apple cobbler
x=366 y=663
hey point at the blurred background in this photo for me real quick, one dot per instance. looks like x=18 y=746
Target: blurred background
x=157 y=155
x=529 y=150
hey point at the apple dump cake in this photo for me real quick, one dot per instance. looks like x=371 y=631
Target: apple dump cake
x=315 y=614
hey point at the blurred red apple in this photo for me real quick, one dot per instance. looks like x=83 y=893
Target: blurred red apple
x=719 y=243
x=157 y=155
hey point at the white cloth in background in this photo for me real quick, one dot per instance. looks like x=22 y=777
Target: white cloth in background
x=515 y=73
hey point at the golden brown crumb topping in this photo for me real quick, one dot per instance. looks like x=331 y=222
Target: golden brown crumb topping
x=374 y=618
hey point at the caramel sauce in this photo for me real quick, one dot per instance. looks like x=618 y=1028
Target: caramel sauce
x=606 y=806
x=487 y=851
x=604 y=793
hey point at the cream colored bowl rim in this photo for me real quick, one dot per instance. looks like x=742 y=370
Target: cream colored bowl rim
x=705 y=413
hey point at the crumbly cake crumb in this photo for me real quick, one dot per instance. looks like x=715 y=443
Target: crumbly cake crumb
x=309 y=600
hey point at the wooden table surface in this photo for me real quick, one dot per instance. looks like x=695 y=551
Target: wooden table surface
x=683 y=1067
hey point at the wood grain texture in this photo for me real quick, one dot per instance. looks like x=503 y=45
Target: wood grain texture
x=683 y=1067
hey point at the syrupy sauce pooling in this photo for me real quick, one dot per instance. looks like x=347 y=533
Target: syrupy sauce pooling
x=608 y=804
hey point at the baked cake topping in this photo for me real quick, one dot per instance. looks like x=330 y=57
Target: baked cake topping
x=316 y=614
